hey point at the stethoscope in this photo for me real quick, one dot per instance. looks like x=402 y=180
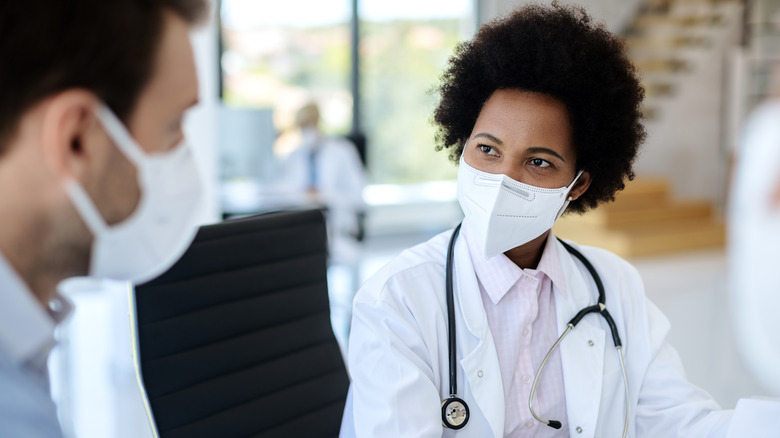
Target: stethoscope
x=455 y=411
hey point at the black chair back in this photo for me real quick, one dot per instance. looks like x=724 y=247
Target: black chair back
x=235 y=340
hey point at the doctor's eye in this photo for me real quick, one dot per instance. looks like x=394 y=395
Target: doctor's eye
x=538 y=162
x=488 y=150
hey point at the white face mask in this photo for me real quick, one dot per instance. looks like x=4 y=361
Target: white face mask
x=157 y=233
x=506 y=213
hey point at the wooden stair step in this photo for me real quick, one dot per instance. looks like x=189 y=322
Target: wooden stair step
x=651 y=240
x=664 y=42
x=660 y=65
x=649 y=113
x=658 y=89
x=617 y=217
x=656 y=7
x=639 y=194
x=711 y=2
x=643 y=22
x=644 y=190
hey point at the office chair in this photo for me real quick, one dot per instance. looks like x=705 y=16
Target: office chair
x=235 y=340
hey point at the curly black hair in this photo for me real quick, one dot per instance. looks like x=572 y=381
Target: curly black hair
x=560 y=52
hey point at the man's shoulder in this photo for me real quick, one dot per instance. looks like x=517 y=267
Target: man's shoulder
x=26 y=408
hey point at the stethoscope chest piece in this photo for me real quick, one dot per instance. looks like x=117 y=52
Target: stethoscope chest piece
x=454 y=413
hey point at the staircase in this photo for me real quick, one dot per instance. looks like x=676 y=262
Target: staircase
x=678 y=47
x=645 y=220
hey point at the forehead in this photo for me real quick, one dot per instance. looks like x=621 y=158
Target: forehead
x=173 y=84
x=519 y=108
x=523 y=118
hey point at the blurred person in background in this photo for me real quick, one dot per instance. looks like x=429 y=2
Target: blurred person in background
x=329 y=171
x=497 y=328
x=96 y=179
x=754 y=244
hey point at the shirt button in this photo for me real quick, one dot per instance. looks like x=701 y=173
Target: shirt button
x=526 y=379
x=526 y=330
x=529 y=424
x=578 y=429
x=480 y=374
x=590 y=342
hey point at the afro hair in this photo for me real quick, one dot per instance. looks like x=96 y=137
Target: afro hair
x=560 y=52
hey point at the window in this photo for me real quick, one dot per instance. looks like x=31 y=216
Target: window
x=404 y=46
x=278 y=55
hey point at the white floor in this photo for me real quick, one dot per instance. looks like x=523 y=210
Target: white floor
x=95 y=385
x=690 y=289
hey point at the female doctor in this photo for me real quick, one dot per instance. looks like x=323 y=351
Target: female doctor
x=542 y=112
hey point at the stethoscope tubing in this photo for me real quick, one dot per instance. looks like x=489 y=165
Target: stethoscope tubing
x=557 y=424
x=451 y=314
x=553 y=424
x=599 y=307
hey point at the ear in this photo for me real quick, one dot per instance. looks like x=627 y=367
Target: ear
x=583 y=182
x=69 y=131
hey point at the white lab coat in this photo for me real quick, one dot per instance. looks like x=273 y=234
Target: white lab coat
x=341 y=176
x=339 y=186
x=399 y=367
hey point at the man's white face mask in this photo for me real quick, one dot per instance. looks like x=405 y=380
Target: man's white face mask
x=157 y=233
x=506 y=213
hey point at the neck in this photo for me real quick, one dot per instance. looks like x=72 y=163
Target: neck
x=19 y=246
x=528 y=255
x=42 y=240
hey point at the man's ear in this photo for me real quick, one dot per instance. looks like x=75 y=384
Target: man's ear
x=69 y=131
x=583 y=182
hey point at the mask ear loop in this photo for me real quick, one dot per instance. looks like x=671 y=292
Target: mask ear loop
x=87 y=209
x=568 y=198
x=120 y=135
x=79 y=198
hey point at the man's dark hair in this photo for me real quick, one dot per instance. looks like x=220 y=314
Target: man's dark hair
x=559 y=52
x=105 y=46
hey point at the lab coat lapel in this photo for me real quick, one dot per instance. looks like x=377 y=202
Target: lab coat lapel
x=582 y=351
x=475 y=343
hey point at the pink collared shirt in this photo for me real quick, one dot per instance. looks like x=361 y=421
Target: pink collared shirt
x=520 y=307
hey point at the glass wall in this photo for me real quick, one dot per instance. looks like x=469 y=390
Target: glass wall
x=279 y=55
x=404 y=45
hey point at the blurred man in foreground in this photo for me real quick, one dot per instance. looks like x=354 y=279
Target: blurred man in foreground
x=95 y=179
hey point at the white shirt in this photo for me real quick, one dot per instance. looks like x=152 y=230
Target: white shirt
x=333 y=168
x=520 y=309
x=26 y=339
x=338 y=173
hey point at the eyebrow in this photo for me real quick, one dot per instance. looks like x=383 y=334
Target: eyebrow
x=540 y=150
x=533 y=150
x=488 y=136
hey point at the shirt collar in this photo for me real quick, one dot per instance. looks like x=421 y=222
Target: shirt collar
x=551 y=265
x=26 y=327
x=498 y=274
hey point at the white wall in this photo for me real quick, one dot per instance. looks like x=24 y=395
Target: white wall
x=685 y=143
